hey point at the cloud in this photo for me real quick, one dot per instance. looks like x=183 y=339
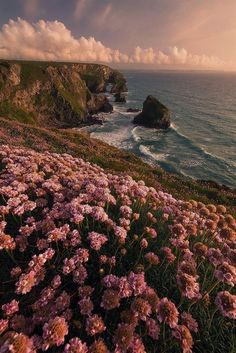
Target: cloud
x=51 y=40
x=176 y=57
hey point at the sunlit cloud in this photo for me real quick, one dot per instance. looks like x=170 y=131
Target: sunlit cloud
x=51 y=40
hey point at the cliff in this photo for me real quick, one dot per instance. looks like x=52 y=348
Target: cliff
x=36 y=98
x=56 y=94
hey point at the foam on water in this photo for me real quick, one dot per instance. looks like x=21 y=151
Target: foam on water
x=201 y=141
x=156 y=156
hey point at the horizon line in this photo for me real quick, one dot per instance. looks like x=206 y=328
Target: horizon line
x=125 y=66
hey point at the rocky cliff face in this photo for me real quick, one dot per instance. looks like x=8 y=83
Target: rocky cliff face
x=56 y=94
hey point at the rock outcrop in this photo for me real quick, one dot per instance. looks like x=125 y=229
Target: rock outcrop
x=154 y=114
x=56 y=94
x=120 y=97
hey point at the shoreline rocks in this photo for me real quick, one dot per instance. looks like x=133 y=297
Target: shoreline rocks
x=154 y=114
x=99 y=104
x=120 y=98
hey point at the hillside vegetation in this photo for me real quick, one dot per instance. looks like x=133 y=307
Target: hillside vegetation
x=96 y=262
x=101 y=252
x=81 y=145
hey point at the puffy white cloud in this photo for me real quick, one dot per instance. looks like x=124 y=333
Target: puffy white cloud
x=175 y=57
x=51 y=41
x=46 y=40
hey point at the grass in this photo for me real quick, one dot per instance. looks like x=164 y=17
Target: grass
x=32 y=72
x=15 y=113
x=72 y=99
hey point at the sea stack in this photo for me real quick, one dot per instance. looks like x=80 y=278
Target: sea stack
x=154 y=114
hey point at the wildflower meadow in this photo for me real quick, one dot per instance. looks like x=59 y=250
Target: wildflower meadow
x=94 y=262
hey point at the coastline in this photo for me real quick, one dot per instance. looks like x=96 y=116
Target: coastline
x=222 y=187
x=205 y=182
x=23 y=129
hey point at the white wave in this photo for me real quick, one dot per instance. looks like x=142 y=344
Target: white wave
x=157 y=156
x=119 y=137
x=176 y=129
x=185 y=174
x=129 y=114
x=117 y=109
x=135 y=135
x=132 y=101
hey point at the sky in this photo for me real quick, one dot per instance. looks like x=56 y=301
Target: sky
x=191 y=34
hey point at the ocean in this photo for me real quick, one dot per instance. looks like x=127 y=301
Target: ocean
x=201 y=142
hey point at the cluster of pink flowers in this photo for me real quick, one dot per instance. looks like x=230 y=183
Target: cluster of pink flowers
x=97 y=262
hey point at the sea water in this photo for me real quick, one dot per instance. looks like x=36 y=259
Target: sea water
x=201 y=142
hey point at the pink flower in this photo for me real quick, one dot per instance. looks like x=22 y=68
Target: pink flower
x=121 y=233
x=215 y=256
x=137 y=345
x=86 y=306
x=144 y=243
x=94 y=325
x=226 y=273
x=184 y=336
x=16 y=271
x=124 y=287
x=126 y=211
x=3 y=325
x=141 y=308
x=59 y=234
x=26 y=282
x=151 y=231
x=137 y=283
x=110 y=299
x=85 y=291
x=170 y=257
x=189 y=322
x=17 y=342
x=11 y=308
x=75 y=345
x=111 y=281
x=188 y=285
x=80 y=274
x=152 y=258
x=167 y=312
x=226 y=303
x=153 y=329
x=97 y=240
x=54 y=332
x=56 y=282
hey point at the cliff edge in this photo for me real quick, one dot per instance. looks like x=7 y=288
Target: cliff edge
x=56 y=94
